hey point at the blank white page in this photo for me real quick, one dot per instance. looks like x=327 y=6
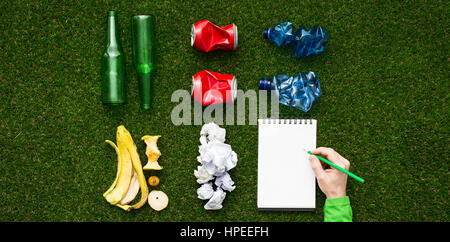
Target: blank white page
x=285 y=177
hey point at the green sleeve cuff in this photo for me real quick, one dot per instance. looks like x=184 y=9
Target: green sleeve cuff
x=339 y=201
x=338 y=210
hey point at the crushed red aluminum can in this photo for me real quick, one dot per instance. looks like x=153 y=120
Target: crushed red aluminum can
x=211 y=87
x=206 y=36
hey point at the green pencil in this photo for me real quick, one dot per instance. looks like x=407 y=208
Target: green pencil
x=337 y=167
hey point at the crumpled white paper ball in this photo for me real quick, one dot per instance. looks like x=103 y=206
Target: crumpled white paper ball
x=210 y=132
x=202 y=175
x=215 y=203
x=206 y=191
x=217 y=157
x=224 y=181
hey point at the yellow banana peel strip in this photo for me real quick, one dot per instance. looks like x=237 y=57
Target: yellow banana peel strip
x=118 y=167
x=152 y=152
x=123 y=178
x=124 y=139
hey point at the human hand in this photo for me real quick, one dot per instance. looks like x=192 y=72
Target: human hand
x=331 y=181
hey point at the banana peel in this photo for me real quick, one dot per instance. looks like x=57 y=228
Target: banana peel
x=125 y=188
x=125 y=139
x=152 y=152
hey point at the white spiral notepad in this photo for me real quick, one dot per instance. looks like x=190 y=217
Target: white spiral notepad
x=285 y=177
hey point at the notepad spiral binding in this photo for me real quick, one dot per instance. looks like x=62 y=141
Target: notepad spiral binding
x=286 y=121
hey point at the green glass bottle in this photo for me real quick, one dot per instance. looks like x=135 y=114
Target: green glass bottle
x=144 y=55
x=114 y=83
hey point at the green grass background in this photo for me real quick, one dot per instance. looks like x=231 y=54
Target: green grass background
x=384 y=75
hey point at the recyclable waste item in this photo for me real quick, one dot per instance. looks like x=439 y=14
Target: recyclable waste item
x=113 y=79
x=210 y=87
x=216 y=160
x=143 y=31
x=215 y=202
x=152 y=152
x=153 y=181
x=158 y=200
x=206 y=191
x=306 y=42
x=206 y=36
x=130 y=176
x=299 y=91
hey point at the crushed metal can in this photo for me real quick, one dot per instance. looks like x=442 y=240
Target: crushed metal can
x=206 y=36
x=211 y=87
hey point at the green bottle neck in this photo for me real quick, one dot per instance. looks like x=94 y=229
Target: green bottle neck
x=112 y=37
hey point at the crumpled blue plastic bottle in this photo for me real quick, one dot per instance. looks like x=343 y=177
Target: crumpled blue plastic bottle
x=299 y=91
x=306 y=42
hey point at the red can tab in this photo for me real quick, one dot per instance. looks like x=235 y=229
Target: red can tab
x=206 y=36
x=211 y=87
